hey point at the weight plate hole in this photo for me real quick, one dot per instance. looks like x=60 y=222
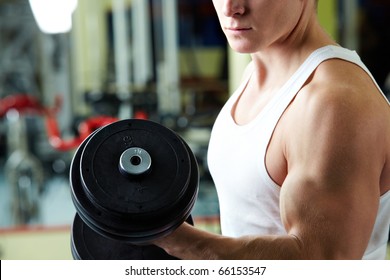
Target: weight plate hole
x=135 y=160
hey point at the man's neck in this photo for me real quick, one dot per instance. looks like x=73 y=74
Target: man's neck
x=276 y=63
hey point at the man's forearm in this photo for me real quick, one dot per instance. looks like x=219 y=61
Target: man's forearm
x=190 y=243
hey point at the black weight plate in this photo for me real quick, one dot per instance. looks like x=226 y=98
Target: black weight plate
x=139 y=227
x=147 y=229
x=110 y=191
x=86 y=244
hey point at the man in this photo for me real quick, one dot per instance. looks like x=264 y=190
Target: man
x=300 y=154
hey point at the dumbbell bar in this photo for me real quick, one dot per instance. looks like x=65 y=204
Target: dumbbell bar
x=132 y=181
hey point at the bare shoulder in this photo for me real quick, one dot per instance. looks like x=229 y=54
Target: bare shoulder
x=342 y=90
x=340 y=113
x=337 y=80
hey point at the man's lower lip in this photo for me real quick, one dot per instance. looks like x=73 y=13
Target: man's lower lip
x=239 y=30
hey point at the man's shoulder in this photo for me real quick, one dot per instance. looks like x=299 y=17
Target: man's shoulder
x=341 y=96
x=342 y=85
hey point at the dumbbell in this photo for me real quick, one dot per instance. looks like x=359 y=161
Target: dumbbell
x=132 y=182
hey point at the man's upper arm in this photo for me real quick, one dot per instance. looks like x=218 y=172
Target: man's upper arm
x=330 y=196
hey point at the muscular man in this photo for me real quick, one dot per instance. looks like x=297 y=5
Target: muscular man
x=300 y=154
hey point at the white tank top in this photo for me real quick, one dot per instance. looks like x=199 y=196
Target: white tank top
x=248 y=197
